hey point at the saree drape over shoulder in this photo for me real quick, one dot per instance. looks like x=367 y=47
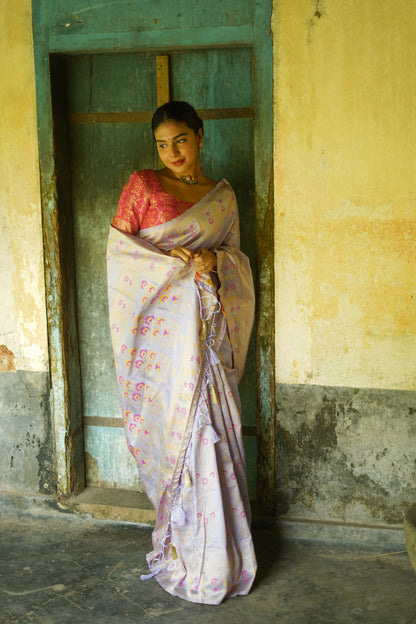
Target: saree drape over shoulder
x=180 y=341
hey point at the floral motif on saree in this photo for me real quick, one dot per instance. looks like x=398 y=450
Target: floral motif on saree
x=180 y=341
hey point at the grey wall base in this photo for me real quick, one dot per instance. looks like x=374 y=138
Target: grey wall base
x=345 y=454
x=26 y=449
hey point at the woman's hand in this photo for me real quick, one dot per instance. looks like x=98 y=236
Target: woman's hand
x=183 y=253
x=205 y=261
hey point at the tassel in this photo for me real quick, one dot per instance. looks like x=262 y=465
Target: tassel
x=178 y=516
x=213 y=357
x=181 y=517
x=203 y=331
x=188 y=481
x=212 y=434
x=215 y=394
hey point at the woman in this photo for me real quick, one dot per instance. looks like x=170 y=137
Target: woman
x=181 y=311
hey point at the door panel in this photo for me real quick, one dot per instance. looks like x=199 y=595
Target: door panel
x=103 y=93
x=213 y=78
x=102 y=157
x=223 y=79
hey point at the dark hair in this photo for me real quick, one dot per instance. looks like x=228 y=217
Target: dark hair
x=177 y=111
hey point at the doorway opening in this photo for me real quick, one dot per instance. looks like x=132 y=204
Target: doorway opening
x=102 y=106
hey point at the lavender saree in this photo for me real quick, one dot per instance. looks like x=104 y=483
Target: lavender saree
x=180 y=341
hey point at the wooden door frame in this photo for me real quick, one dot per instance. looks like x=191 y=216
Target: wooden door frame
x=51 y=37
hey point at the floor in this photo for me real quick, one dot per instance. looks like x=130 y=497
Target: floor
x=57 y=567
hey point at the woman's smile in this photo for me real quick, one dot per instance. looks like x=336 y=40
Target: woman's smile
x=178 y=147
x=177 y=163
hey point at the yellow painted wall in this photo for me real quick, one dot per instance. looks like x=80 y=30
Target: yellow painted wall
x=345 y=193
x=23 y=334
x=345 y=180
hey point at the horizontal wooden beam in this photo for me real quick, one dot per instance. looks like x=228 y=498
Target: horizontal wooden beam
x=206 y=114
x=86 y=119
x=103 y=421
x=67 y=40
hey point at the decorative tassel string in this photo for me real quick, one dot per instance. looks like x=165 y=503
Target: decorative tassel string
x=207 y=317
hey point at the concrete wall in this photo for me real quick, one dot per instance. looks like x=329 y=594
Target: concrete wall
x=25 y=433
x=345 y=246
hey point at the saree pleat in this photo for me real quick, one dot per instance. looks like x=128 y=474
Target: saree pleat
x=180 y=341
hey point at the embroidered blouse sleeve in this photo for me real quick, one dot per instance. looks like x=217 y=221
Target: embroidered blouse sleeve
x=132 y=205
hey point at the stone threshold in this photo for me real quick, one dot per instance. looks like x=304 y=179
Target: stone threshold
x=112 y=504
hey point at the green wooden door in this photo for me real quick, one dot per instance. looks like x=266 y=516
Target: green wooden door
x=110 y=101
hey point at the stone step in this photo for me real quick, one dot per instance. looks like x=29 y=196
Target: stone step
x=112 y=504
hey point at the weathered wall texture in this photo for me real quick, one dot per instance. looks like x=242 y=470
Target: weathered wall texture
x=25 y=433
x=22 y=291
x=345 y=454
x=345 y=166
x=345 y=170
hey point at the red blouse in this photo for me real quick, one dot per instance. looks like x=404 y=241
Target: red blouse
x=143 y=203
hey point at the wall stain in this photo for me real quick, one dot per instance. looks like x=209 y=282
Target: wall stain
x=46 y=468
x=319 y=11
x=6 y=359
x=344 y=454
x=91 y=468
x=309 y=445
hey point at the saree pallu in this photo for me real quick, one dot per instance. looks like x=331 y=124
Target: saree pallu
x=180 y=341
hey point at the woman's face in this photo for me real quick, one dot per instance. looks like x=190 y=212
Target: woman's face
x=178 y=147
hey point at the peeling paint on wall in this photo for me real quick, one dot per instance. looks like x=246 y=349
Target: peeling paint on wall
x=6 y=359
